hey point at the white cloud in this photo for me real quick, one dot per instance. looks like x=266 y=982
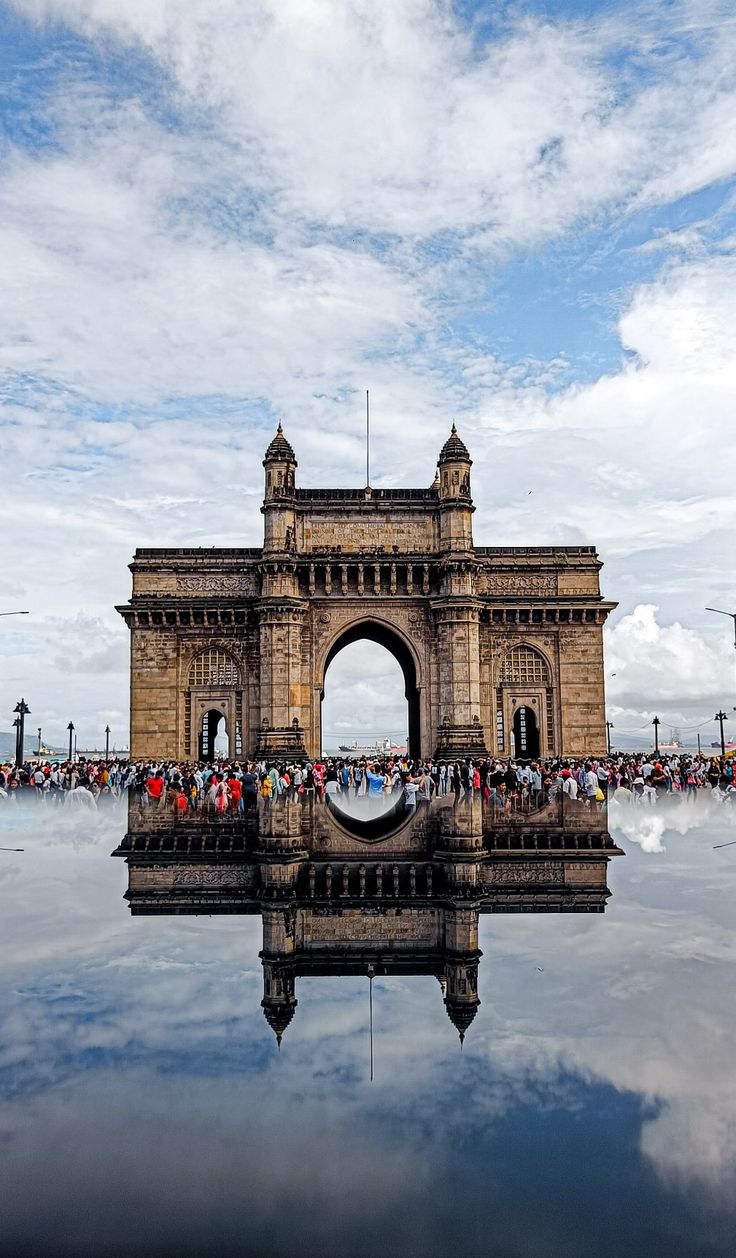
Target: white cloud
x=650 y=665
x=297 y=211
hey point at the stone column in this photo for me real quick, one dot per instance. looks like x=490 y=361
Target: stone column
x=460 y=732
x=283 y=692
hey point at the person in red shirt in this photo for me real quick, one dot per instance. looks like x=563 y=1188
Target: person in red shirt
x=155 y=788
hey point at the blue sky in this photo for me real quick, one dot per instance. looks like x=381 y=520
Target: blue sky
x=516 y=216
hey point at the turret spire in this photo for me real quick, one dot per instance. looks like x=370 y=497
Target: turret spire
x=454 y=450
x=280 y=450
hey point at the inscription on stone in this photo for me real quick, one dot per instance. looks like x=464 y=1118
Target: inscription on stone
x=516 y=583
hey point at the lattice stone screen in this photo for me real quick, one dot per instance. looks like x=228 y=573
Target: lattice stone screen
x=521 y=664
x=214 y=668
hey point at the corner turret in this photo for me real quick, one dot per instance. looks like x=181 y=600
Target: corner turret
x=279 y=974
x=278 y=504
x=280 y=464
x=461 y=992
x=454 y=488
x=278 y=1010
x=462 y=955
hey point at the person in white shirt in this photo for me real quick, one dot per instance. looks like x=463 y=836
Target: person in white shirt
x=411 y=789
x=80 y=797
x=569 y=785
x=591 y=784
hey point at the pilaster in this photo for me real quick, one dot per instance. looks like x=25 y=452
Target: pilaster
x=284 y=693
x=460 y=732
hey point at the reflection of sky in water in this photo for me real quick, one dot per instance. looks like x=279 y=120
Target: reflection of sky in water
x=145 y=1109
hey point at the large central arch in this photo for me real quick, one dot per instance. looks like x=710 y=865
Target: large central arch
x=388 y=637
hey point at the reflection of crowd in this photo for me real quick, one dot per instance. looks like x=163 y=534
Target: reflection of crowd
x=234 y=787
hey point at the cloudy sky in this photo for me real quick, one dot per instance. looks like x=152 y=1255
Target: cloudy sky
x=519 y=216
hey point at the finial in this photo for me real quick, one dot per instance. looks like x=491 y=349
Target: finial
x=453 y=429
x=279 y=1037
x=462 y=1039
x=280 y=429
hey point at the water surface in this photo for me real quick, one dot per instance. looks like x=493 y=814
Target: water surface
x=146 y=1110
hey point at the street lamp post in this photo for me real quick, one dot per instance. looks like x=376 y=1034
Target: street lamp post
x=21 y=710
x=39 y=740
x=721 y=717
x=14 y=613
x=719 y=612
x=656 y=723
x=609 y=727
x=107 y=743
x=70 y=727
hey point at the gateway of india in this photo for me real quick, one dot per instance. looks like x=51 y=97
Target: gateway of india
x=501 y=647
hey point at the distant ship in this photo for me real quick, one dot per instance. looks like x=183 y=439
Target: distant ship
x=384 y=747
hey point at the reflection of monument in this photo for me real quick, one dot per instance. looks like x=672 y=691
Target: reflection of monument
x=334 y=902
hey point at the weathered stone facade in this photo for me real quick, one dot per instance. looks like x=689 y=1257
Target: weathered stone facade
x=501 y=647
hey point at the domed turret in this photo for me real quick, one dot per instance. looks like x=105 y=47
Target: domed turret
x=454 y=450
x=278 y=1016
x=461 y=1015
x=280 y=450
x=454 y=489
x=279 y=999
x=278 y=504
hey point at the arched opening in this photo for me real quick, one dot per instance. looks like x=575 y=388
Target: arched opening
x=525 y=686
x=364 y=697
x=213 y=705
x=526 y=734
x=214 y=740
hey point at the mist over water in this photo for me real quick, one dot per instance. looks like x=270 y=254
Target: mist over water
x=144 y=1107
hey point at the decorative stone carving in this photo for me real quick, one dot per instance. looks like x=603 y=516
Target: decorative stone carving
x=525 y=872
x=221 y=877
x=216 y=583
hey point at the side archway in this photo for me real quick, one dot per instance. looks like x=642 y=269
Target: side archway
x=525 y=710
x=213 y=692
x=386 y=636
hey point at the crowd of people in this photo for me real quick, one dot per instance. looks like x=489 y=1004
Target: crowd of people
x=236 y=787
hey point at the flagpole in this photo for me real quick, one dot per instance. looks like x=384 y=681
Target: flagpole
x=367 y=438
